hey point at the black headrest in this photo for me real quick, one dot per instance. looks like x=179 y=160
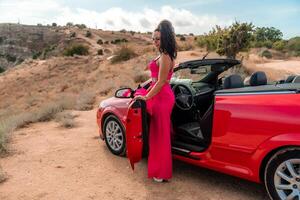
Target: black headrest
x=233 y=81
x=296 y=79
x=258 y=78
x=290 y=79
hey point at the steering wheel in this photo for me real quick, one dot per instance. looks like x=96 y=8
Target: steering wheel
x=184 y=98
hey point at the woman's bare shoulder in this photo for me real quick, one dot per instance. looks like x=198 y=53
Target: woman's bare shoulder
x=165 y=58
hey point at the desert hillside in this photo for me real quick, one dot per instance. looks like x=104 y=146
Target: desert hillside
x=46 y=88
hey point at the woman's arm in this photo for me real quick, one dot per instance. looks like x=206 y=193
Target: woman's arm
x=164 y=68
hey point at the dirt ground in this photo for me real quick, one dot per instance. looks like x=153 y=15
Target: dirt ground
x=51 y=162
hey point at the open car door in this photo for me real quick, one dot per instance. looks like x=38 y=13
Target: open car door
x=136 y=126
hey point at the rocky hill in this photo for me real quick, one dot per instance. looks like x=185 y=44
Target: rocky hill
x=19 y=42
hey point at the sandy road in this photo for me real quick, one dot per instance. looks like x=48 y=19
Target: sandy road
x=57 y=163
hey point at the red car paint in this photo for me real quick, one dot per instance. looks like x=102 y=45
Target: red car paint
x=246 y=128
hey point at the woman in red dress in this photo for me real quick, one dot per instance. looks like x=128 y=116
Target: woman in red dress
x=160 y=101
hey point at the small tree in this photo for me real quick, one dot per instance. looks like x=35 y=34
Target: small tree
x=88 y=34
x=234 y=39
x=99 y=42
x=279 y=45
x=54 y=24
x=263 y=34
x=69 y=24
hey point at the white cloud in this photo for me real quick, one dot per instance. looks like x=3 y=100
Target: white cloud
x=48 y=11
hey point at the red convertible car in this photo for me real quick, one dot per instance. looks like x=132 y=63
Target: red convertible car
x=251 y=130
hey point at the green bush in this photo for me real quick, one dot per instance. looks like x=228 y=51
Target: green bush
x=123 y=31
x=1 y=40
x=123 y=54
x=88 y=34
x=36 y=55
x=119 y=41
x=279 y=45
x=73 y=34
x=2 y=70
x=99 y=42
x=69 y=24
x=77 y=49
x=81 y=26
x=266 y=53
x=182 y=38
x=294 y=44
x=100 y=52
x=10 y=58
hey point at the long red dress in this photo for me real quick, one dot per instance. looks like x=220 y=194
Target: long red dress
x=160 y=108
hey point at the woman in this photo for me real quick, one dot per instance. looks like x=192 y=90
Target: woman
x=160 y=101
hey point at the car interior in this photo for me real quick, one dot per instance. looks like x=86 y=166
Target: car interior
x=192 y=115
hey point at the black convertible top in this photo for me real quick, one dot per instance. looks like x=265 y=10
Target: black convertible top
x=224 y=62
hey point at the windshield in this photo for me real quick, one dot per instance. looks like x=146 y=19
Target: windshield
x=193 y=74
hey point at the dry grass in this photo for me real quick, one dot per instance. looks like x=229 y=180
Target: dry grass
x=3 y=176
x=123 y=54
x=45 y=113
x=65 y=119
x=186 y=46
x=141 y=77
x=85 y=101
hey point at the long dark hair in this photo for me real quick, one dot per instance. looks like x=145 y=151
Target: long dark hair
x=167 y=39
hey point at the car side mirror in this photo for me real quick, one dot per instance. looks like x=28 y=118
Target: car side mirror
x=124 y=93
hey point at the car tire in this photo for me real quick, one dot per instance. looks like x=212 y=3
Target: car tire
x=282 y=174
x=114 y=135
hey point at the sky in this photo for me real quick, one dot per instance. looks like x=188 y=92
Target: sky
x=187 y=16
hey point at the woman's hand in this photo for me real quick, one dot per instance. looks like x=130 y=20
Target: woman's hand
x=140 y=97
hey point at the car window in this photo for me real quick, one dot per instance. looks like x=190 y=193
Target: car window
x=193 y=74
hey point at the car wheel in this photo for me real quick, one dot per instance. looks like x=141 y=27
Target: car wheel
x=114 y=135
x=282 y=175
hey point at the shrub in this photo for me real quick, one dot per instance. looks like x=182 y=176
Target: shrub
x=185 y=47
x=54 y=24
x=100 y=52
x=4 y=131
x=123 y=31
x=85 y=101
x=99 y=42
x=1 y=40
x=182 y=38
x=81 y=26
x=73 y=34
x=2 y=70
x=106 y=42
x=65 y=119
x=3 y=176
x=88 y=34
x=76 y=49
x=36 y=55
x=119 y=41
x=294 y=45
x=10 y=58
x=123 y=54
x=141 y=77
x=132 y=33
x=279 y=45
x=266 y=53
x=69 y=24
